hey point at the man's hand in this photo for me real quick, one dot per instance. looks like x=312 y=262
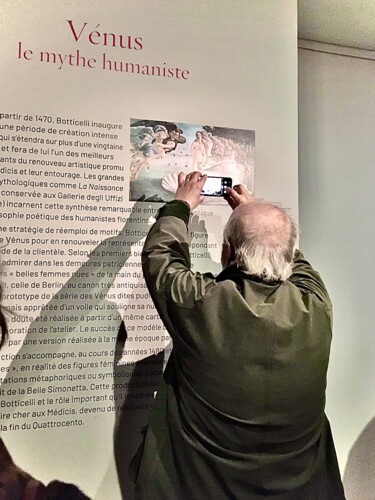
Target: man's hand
x=190 y=187
x=238 y=195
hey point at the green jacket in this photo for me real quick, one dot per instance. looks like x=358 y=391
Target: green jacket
x=240 y=412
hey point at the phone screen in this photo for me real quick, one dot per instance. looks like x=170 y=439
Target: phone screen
x=215 y=186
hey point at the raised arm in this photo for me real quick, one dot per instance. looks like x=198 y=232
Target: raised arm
x=166 y=258
x=307 y=279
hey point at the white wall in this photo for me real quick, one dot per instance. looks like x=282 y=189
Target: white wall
x=240 y=77
x=337 y=203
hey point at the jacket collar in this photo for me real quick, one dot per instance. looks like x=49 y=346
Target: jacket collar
x=238 y=275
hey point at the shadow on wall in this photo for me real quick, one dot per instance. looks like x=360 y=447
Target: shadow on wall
x=147 y=372
x=145 y=377
x=132 y=408
x=68 y=369
x=359 y=475
x=144 y=380
x=65 y=373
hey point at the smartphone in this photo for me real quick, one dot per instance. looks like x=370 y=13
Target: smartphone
x=215 y=186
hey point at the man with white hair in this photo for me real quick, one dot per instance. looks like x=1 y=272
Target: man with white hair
x=240 y=412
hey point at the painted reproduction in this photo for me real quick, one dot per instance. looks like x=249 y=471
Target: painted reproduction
x=160 y=150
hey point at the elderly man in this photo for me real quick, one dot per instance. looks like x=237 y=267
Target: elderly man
x=240 y=413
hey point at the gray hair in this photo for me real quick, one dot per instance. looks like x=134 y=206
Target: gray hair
x=263 y=239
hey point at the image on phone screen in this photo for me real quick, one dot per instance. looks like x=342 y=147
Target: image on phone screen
x=215 y=186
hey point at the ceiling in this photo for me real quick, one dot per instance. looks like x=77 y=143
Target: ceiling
x=350 y=23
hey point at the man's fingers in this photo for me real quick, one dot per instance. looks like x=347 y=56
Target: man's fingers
x=234 y=194
x=202 y=180
x=230 y=202
x=191 y=177
x=240 y=189
x=181 y=179
x=195 y=176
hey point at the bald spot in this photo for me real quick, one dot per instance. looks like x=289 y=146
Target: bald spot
x=263 y=223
